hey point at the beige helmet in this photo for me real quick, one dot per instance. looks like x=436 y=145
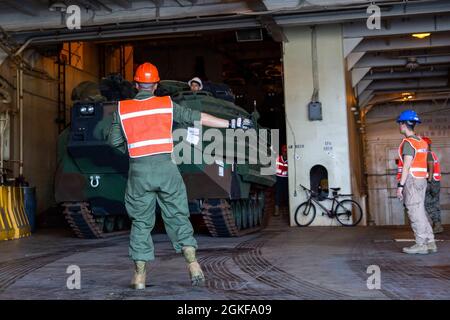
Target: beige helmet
x=196 y=79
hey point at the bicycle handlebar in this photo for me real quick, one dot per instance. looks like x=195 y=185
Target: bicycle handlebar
x=334 y=196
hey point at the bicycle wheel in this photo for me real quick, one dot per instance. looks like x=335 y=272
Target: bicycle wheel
x=348 y=213
x=305 y=214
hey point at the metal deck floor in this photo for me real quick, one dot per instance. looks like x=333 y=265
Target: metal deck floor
x=278 y=263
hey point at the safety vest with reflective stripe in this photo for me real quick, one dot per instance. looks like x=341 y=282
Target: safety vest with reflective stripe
x=436 y=168
x=419 y=163
x=147 y=125
x=282 y=167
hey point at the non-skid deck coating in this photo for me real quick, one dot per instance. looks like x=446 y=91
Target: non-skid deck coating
x=278 y=263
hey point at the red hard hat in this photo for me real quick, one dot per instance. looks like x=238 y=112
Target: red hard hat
x=146 y=73
x=427 y=140
x=283 y=148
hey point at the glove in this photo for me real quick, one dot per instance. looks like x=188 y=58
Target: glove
x=241 y=123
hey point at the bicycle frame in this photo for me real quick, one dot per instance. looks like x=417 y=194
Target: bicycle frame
x=350 y=208
x=335 y=202
x=329 y=212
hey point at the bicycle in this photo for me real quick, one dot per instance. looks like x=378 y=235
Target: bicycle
x=348 y=212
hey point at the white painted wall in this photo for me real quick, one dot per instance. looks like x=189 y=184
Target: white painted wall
x=312 y=135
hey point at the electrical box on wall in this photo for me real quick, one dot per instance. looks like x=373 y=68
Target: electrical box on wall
x=315 y=110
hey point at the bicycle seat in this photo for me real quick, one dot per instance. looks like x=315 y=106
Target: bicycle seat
x=335 y=189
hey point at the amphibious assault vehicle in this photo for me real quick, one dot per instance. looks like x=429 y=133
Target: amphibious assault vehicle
x=224 y=199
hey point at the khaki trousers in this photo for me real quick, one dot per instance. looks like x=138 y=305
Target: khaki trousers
x=414 y=201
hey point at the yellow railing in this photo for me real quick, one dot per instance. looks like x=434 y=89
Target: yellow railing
x=14 y=222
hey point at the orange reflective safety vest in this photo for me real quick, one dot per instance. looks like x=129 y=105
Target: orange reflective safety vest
x=282 y=167
x=147 y=125
x=437 y=167
x=419 y=164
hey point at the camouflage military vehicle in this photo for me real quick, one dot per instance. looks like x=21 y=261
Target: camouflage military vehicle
x=225 y=199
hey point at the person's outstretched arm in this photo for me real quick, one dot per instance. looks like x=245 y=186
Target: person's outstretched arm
x=214 y=122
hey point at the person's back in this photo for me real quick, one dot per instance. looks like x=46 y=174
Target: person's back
x=143 y=126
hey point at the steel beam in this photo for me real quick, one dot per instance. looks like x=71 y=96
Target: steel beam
x=362 y=86
x=358 y=74
x=405 y=25
x=406 y=75
x=256 y=5
x=350 y=44
x=379 y=98
x=353 y=58
x=408 y=84
x=24 y=6
x=123 y=3
x=372 y=60
x=154 y=28
x=400 y=43
x=350 y=15
x=3 y=56
x=365 y=97
x=267 y=20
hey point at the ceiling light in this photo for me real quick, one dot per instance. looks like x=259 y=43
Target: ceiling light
x=421 y=35
x=407 y=96
x=58 y=6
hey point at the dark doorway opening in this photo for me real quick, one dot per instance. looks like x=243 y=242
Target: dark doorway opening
x=318 y=176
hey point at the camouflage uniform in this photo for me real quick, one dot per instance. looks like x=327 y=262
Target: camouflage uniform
x=432 y=201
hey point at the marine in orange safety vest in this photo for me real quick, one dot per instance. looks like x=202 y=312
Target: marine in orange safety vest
x=412 y=183
x=282 y=188
x=143 y=126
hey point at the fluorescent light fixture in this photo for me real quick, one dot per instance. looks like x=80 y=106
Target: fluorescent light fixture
x=421 y=35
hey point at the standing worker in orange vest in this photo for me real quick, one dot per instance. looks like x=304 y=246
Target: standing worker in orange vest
x=144 y=125
x=432 y=204
x=282 y=188
x=412 y=185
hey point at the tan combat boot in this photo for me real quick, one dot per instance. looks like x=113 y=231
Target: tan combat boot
x=138 y=281
x=438 y=228
x=195 y=271
x=416 y=249
x=432 y=248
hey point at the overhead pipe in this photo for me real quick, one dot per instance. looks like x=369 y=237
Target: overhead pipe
x=21 y=121
x=19 y=109
x=3 y=126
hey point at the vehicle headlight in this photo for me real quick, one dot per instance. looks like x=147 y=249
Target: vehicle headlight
x=87 y=110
